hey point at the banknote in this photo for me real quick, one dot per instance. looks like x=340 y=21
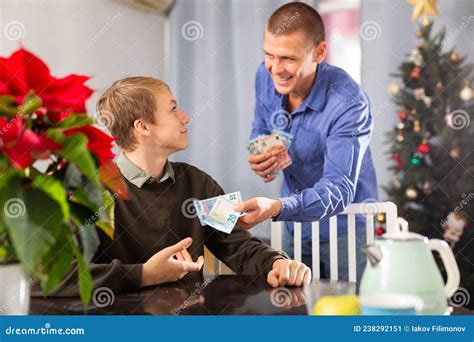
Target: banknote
x=223 y=216
x=277 y=144
x=204 y=207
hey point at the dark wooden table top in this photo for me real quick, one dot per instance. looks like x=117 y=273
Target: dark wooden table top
x=221 y=295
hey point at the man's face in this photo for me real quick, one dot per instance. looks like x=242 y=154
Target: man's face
x=290 y=60
x=169 y=132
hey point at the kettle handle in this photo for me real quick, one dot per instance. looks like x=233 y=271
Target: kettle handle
x=452 y=282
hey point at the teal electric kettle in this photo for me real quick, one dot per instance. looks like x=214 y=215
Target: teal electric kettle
x=402 y=262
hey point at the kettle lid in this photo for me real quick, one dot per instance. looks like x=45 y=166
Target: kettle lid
x=402 y=233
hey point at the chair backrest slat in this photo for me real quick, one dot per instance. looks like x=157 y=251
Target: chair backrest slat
x=351 y=245
x=333 y=263
x=315 y=249
x=297 y=241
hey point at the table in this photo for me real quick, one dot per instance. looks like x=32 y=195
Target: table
x=208 y=295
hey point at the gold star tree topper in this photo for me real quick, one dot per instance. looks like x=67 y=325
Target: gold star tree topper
x=424 y=8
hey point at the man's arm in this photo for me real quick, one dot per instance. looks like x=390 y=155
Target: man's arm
x=345 y=149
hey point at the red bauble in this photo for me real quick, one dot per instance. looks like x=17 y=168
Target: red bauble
x=424 y=148
x=398 y=160
x=402 y=115
x=415 y=73
x=379 y=231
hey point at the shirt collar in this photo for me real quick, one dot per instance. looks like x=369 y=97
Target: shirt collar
x=137 y=176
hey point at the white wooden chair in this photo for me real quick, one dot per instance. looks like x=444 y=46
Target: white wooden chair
x=369 y=209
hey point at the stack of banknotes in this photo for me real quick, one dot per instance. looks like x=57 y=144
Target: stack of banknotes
x=277 y=144
x=218 y=212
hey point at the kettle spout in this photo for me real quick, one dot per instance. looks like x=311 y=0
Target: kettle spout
x=374 y=254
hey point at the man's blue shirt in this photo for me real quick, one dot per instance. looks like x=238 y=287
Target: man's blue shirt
x=332 y=165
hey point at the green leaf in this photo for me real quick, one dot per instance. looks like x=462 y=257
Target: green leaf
x=8 y=106
x=75 y=150
x=83 y=219
x=32 y=219
x=84 y=276
x=31 y=103
x=54 y=188
x=74 y=121
x=57 y=262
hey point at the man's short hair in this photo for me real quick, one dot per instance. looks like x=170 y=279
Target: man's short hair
x=297 y=16
x=124 y=102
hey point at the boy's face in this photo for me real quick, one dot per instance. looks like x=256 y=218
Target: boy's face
x=169 y=132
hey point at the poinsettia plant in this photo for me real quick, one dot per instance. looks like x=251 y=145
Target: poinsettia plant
x=58 y=180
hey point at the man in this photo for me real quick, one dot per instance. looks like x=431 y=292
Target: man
x=154 y=240
x=329 y=116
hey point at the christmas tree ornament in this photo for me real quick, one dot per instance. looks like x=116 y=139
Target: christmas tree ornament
x=424 y=147
x=398 y=161
x=380 y=231
x=416 y=126
x=466 y=92
x=419 y=34
x=439 y=87
x=426 y=187
x=415 y=72
x=381 y=217
x=454 y=56
x=395 y=182
x=400 y=125
x=415 y=57
x=411 y=193
x=424 y=8
x=402 y=115
x=454 y=225
x=399 y=137
x=415 y=160
x=419 y=93
x=454 y=153
x=413 y=112
x=449 y=119
x=393 y=88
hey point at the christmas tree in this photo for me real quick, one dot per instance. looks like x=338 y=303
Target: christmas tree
x=432 y=144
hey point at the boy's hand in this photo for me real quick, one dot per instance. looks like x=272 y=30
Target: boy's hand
x=289 y=272
x=163 y=267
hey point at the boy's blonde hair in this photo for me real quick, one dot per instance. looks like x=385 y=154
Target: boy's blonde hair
x=124 y=102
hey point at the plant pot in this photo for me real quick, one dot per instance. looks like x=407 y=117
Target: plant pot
x=14 y=290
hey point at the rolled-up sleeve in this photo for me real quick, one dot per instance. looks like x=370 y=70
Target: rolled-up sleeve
x=346 y=144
